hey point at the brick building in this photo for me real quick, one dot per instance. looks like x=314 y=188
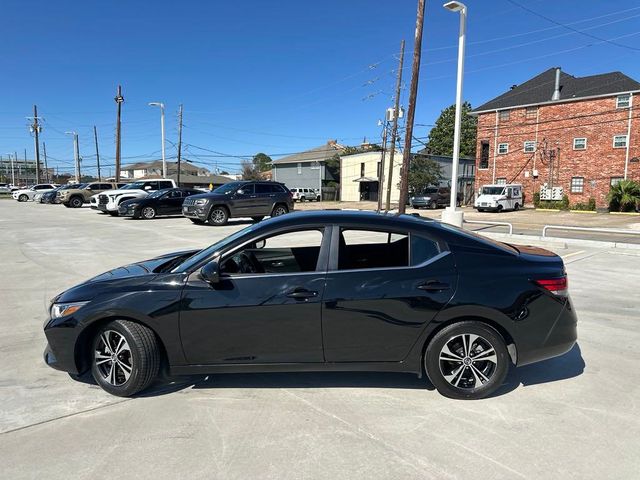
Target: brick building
x=556 y=130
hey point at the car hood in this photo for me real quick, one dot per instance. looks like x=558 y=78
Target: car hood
x=122 y=192
x=211 y=196
x=127 y=277
x=138 y=201
x=23 y=190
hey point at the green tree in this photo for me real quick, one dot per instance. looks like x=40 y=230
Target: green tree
x=624 y=196
x=262 y=161
x=250 y=170
x=441 y=135
x=423 y=172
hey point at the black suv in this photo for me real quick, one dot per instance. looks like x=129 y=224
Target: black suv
x=239 y=199
x=434 y=197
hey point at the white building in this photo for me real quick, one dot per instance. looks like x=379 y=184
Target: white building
x=360 y=176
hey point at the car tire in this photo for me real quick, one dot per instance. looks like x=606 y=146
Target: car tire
x=257 y=219
x=148 y=213
x=303 y=199
x=114 y=213
x=279 y=209
x=23 y=198
x=433 y=205
x=197 y=221
x=218 y=216
x=499 y=209
x=516 y=207
x=75 y=202
x=133 y=366
x=464 y=377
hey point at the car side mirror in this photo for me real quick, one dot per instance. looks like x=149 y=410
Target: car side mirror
x=210 y=273
x=240 y=192
x=148 y=187
x=261 y=243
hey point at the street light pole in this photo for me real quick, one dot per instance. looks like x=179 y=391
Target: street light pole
x=76 y=154
x=164 y=160
x=451 y=214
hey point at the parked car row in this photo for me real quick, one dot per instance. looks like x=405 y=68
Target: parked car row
x=147 y=199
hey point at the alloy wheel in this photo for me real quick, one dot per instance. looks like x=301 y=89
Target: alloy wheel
x=218 y=216
x=468 y=361
x=148 y=213
x=113 y=358
x=280 y=210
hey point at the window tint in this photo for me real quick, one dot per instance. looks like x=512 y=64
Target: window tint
x=175 y=194
x=153 y=185
x=372 y=249
x=248 y=189
x=422 y=249
x=289 y=252
x=165 y=184
x=277 y=188
x=263 y=188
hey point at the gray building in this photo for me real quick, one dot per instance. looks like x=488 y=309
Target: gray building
x=466 y=173
x=24 y=172
x=306 y=169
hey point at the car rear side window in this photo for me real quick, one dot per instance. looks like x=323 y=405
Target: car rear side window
x=275 y=188
x=362 y=249
x=263 y=188
x=422 y=249
x=165 y=184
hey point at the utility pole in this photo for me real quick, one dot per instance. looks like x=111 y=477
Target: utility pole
x=35 y=129
x=13 y=172
x=179 y=141
x=76 y=154
x=384 y=151
x=164 y=159
x=119 y=101
x=46 y=168
x=15 y=156
x=394 y=128
x=95 y=137
x=411 y=107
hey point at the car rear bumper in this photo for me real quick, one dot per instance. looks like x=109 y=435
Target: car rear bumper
x=561 y=336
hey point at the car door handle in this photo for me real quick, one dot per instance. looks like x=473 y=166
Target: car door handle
x=302 y=294
x=433 y=286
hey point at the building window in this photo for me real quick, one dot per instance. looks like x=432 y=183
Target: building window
x=529 y=146
x=577 y=184
x=362 y=170
x=579 y=143
x=379 y=169
x=501 y=181
x=531 y=112
x=503 y=148
x=619 y=141
x=484 y=155
x=504 y=115
x=623 y=101
x=299 y=168
x=615 y=180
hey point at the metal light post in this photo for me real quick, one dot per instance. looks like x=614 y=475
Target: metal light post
x=13 y=172
x=164 y=160
x=76 y=154
x=451 y=214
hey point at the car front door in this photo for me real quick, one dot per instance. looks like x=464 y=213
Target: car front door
x=383 y=288
x=172 y=202
x=244 y=201
x=266 y=306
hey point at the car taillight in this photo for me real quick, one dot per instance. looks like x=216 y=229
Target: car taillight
x=557 y=286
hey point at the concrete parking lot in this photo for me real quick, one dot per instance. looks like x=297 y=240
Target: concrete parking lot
x=576 y=416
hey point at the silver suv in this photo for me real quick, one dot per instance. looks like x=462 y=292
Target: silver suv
x=304 y=194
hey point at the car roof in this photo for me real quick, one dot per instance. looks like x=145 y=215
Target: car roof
x=365 y=218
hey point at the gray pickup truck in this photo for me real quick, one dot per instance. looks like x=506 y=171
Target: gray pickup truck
x=76 y=197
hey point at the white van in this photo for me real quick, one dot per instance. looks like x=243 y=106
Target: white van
x=499 y=197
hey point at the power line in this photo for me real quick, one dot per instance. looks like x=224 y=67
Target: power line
x=581 y=32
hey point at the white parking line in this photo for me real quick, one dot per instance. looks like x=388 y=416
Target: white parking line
x=572 y=254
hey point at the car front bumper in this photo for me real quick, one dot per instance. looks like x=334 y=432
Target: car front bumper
x=128 y=212
x=61 y=341
x=195 y=211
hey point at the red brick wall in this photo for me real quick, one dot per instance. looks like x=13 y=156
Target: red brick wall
x=557 y=125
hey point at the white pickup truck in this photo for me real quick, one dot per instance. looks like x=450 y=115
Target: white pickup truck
x=109 y=201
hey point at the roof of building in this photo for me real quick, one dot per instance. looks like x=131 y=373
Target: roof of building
x=184 y=165
x=192 y=179
x=540 y=89
x=317 y=154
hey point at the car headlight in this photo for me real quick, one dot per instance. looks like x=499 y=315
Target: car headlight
x=201 y=201
x=63 y=309
x=132 y=205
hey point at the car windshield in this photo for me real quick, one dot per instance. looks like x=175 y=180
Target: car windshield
x=492 y=190
x=158 y=193
x=228 y=188
x=429 y=190
x=194 y=260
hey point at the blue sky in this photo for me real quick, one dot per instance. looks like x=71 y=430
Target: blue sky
x=271 y=76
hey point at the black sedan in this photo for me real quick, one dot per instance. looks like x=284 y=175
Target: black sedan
x=52 y=196
x=323 y=290
x=161 y=202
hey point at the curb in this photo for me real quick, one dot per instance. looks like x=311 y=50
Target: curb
x=547 y=209
x=624 y=213
x=560 y=242
x=583 y=211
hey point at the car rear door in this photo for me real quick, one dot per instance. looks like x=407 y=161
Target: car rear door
x=264 y=199
x=383 y=287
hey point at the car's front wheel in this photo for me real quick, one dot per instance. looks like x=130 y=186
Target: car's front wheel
x=125 y=357
x=148 y=213
x=23 y=198
x=467 y=360
x=218 y=216
x=76 y=202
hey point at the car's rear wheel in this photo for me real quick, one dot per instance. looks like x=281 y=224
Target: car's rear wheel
x=500 y=207
x=279 y=210
x=433 y=205
x=467 y=360
x=75 y=202
x=125 y=357
x=148 y=213
x=257 y=219
x=516 y=207
x=23 y=198
x=218 y=216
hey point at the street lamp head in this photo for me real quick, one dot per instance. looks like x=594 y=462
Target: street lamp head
x=69 y=133
x=455 y=6
x=155 y=104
